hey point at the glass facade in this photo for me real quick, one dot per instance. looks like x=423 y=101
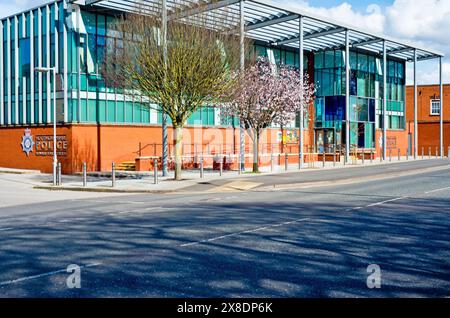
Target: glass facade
x=366 y=95
x=74 y=42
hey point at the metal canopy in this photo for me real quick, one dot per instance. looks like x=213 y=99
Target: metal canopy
x=272 y=24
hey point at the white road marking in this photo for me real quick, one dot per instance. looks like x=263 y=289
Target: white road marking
x=18 y=280
x=243 y=232
x=7 y=228
x=387 y=201
x=437 y=190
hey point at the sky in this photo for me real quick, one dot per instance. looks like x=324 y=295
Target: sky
x=423 y=22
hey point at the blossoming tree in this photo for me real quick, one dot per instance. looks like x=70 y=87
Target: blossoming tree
x=265 y=95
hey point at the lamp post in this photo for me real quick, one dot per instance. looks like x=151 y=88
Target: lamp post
x=55 y=159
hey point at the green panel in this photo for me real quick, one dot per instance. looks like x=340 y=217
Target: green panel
x=111 y=112
x=137 y=113
x=145 y=114
x=120 y=111
x=260 y=51
x=354 y=134
x=128 y=112
x=368 y=135
x=102 y=111
x=84 y=111
x=92 y=110
x=290 y=58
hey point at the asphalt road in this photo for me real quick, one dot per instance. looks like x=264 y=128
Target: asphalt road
x=305 y=242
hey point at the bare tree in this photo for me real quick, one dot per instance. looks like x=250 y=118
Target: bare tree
x=197 y=67
x=268 y=95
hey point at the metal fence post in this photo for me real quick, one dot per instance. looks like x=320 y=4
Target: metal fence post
x=221 y=167
x=407 y=154
x=429 y=152
x=113 y=175
x=399 y=159
x=155 y=171
x=323 y=159
x=84 y=175
x=437 y=152
x=286 y=161
x=334 y=157
x=271 y=161
x=363 y=155
x=448 y=152
x=371 y=156
x=59 y=174
x=423 y=153
x=201 y=168
x=390 y=155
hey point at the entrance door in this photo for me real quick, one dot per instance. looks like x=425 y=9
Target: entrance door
x=325 y=140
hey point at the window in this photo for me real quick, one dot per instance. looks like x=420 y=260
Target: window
x=435 y=107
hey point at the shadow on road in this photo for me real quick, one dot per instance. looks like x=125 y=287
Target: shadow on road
x=324 y=256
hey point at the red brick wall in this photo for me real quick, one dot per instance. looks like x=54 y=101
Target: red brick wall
x=99 y=146
x=428 y=133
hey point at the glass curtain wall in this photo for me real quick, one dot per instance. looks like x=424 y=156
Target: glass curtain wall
x=366 y=93
x=29 y=40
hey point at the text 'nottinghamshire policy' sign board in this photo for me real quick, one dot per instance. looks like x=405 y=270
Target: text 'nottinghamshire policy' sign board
x=42 y=145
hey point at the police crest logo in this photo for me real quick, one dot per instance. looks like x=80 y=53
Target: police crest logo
x=27 y=142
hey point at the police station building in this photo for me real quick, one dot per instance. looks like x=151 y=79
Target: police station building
x=359 y=77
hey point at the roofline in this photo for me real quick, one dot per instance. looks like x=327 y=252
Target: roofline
x=293 y=10
x=319 y=18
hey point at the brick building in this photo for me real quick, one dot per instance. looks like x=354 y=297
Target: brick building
x=428 y=116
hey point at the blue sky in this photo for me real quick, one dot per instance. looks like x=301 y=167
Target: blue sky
x=424 y=22
x=360 y=5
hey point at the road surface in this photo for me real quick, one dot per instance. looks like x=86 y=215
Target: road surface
x=277 y=236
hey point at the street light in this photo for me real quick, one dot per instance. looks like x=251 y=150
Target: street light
x=55 y=159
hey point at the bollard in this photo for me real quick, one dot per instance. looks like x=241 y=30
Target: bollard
x=399 y=158
x=437 y=152
x=59 y=174
x=390 y=155
x=448 y=152
x=363 y=155
x=271 y=162
x=155 y=171
x=84 y=175
x=113 y=175
x=201 y=168
x=407 y=154
x=423 y=153
x=371 y=156
x=381 y=155
x=334 y=158
x=286 y=161
x=323 y=159
x=429 y=152
x=221 y=168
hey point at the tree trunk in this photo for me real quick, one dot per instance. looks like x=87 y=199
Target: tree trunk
x=256 y=152
x=178 y=146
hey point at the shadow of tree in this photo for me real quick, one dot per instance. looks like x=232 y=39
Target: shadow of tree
x=326 y=255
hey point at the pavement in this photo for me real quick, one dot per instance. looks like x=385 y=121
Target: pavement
x=143 y=182
x=296 y=239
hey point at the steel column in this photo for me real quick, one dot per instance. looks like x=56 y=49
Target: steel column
x=384 y=101
x=242 y=67
x=441 y=110
x=347 y=96
x=32 y=73
x=416 y=141
x=2 y=91
x=164 y=114
x=302 y=112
